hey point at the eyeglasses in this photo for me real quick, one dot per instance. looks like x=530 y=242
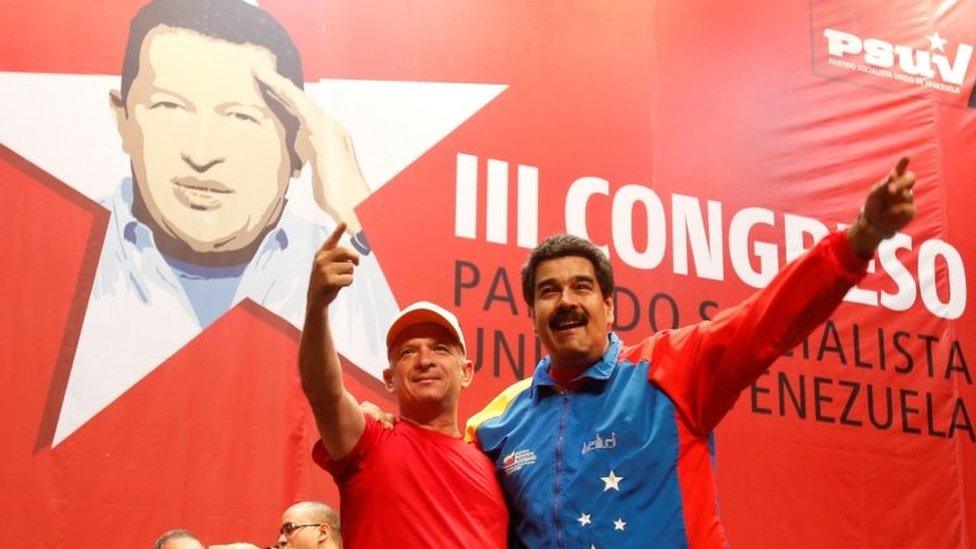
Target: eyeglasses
x=287 y=529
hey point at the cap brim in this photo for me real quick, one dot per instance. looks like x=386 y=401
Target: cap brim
x=423 y=316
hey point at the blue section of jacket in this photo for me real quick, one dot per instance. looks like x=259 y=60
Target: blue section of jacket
x=592 y=466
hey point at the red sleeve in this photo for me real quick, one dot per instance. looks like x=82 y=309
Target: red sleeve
x=342 y=469
x=704 y=367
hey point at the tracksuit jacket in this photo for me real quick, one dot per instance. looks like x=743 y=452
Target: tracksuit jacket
x=623 y=455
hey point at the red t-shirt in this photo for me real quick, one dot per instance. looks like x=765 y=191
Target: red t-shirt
x=413 y=487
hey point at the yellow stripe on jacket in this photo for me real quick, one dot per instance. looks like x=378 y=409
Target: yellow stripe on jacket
x=495 y=408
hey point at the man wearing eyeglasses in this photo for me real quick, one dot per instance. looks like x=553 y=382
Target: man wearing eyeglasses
x=418 y=484
x=309 y=525
x=304 y=525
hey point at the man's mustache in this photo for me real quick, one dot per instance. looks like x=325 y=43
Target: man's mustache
x=571 y=315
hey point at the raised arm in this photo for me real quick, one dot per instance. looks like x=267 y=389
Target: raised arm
x=337 y=414
x=704 y=367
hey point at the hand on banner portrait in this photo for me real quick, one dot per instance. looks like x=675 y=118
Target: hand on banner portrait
x=386 y=419
x=332 y=269
x=337 y=182
x=889 y=206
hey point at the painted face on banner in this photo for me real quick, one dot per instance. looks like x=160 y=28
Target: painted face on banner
x=209 y=157
x=572 y=317
x=427 y=366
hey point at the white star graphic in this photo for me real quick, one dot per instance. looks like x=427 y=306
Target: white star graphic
x=611 y=482
x=72 y=136
x=619 y=524
x=583 y=519
x=937 y=42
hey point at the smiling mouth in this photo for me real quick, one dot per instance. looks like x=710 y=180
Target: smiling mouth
x=426 y=380
x=567 y=322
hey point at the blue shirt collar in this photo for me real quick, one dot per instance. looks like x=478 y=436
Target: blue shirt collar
x=599 y=371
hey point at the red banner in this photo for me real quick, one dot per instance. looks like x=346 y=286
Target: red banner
x=703 y=144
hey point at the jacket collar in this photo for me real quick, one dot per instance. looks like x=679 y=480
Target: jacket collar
x=599 y=371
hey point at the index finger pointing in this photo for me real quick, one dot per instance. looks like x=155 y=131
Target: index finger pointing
x=333 y=240
x=901 y=166
x=896 y=174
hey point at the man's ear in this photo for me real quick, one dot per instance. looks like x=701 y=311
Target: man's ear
x=117 y=104
x=388 y=379
x=467 y=372
x=608 y=303
x=324 y=532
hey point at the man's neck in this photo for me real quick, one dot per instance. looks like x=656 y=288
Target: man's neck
x=562 y=370
x=439 y=421
x=564 y=375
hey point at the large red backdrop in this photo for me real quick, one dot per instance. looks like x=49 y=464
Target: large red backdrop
x=703 y=142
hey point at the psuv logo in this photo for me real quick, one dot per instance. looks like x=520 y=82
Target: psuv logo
x=933 y=68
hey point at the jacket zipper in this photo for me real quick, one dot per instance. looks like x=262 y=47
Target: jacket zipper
x=559 y=468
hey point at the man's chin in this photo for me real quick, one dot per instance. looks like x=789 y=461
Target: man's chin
x=427 y=395
x=212 y=242
x=567 y=342
x=573 y=357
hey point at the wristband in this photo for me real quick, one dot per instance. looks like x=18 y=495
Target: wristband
x=871 y=228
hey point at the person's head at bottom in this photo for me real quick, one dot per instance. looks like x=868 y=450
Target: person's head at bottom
x=428 y=365
x=309 y=525
x=178 y=539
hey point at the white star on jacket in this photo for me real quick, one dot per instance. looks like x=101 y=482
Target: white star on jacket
x=619 y=524
x=583 y=519
x=72 y=136
x=611 y=482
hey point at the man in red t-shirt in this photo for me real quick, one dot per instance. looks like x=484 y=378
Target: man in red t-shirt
x=418 y=484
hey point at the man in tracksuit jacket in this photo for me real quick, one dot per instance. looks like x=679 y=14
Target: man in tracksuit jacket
x=610 y=445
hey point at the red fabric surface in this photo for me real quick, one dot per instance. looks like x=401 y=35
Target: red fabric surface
x=414 y=487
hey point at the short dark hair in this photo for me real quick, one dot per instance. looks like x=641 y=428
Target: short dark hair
x=566 y=245
x=233 y=21
x=175 y=534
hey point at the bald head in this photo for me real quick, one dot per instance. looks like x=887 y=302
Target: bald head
x=311 y=513
x=178 y=539
x=315 y=511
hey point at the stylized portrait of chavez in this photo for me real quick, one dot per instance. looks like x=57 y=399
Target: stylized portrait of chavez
x=213 y=118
